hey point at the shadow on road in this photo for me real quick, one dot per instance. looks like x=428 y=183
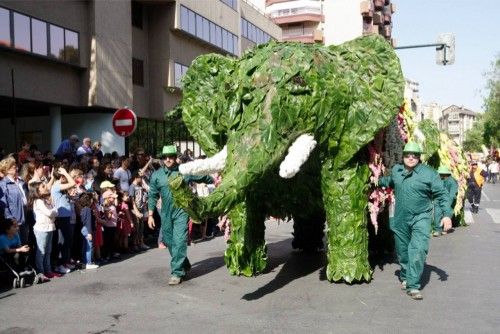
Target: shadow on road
x=426 y=275
x=296 y=265
x=276 y=256
x=206 y=266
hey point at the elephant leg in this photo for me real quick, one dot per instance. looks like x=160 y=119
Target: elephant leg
x=246 y=253
x=308 y=232
x=345 y=197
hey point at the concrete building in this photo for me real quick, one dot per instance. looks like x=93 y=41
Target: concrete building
x=412 y=94
x=433 y=111
x=300 y=20
x=74 y=62
x=331 y=21
x=456 y=121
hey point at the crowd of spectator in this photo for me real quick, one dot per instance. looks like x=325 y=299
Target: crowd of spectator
x=76 y=208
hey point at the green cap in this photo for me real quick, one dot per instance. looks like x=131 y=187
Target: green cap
x=412 y=147
x=443 y=170
x=169 y=150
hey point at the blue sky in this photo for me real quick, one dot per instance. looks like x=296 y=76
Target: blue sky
x=475 y=24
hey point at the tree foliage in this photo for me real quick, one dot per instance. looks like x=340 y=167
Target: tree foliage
x=491 y=132
x=474 y=137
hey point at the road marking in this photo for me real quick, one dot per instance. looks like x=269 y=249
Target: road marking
x=494 y=214
x=486 y=196
x=469 y=219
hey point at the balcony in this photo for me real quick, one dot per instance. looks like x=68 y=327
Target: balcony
x=301 y=33
x=300 y=14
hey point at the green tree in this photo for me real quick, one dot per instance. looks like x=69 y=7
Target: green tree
x=491 y=132
x=474 y=137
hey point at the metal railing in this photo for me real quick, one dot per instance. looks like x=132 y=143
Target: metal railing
x=295 y=11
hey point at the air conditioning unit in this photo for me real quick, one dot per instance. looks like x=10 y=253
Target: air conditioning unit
x=318 y=35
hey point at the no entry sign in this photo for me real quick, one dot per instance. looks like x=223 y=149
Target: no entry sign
x=124 y=122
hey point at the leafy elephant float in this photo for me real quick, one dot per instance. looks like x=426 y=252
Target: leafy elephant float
x=287 y=125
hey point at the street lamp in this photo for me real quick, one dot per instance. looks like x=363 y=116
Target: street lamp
x=445 y=48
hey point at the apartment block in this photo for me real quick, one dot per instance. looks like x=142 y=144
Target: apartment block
x=66 y=66
x=331 y=21
x=456 y=120
x=300 y=20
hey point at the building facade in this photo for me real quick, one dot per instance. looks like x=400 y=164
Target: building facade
x=412 y=95
x=300 y=20
x=433 y=111
x=66 y=66
x=456 y=121
x=331 y=21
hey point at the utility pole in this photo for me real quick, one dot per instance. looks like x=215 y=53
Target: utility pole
x=445 y=48
x=14 y=111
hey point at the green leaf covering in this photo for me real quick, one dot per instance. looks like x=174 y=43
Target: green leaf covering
x=257 y=106
x=431 y=144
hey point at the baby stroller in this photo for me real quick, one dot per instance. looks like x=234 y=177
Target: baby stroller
x=21 y=275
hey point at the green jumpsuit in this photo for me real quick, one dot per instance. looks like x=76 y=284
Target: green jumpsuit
x=451 y=187
x=414 y=192
x=174 y=221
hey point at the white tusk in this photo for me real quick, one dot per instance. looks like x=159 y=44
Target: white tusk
x=298 y=153
x=207 y=166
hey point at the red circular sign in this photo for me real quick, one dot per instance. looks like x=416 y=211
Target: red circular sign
x=124 y=122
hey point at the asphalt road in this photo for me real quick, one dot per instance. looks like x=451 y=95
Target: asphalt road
x=461 y=292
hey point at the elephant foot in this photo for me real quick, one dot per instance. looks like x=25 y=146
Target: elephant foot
x=348 y=270
x=241 y=261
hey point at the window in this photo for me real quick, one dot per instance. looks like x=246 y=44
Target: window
x=179 y=72
x=235 y=44
x=208 y=31
x=224 y=39
x=212 y=33
x=39 y=37
x=192 y=23
x=231 y=3
x=22 y=35
x=4 y=27
x=253 y=33
x=137 y=72
x=57 y=42
x=71 y=51
x=184 y=18
x=244 y=28
x=137 y=14
x=199 y=26
x=218 y=36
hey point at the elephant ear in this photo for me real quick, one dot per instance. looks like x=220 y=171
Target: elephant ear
x=211 y=102
x=372 y=69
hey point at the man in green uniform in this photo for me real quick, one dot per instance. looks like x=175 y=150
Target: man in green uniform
x=451 y=187
x=174 y=221
x=415 y=187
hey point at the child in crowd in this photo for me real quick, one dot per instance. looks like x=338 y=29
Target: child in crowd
x=45 y=215
x=124 y=226
x=85 y=202
x=98 y=222
x=10 y=246
x=138 y=193
x=77 y=175
x=110 y=223
x=61 y=200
